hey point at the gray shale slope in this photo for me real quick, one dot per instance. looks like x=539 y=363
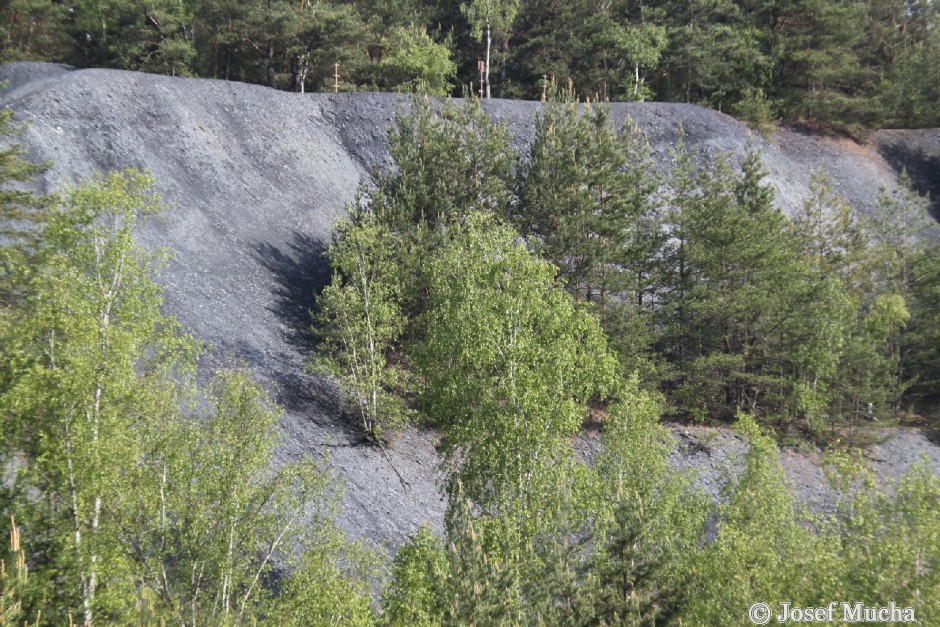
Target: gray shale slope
x=254 y=180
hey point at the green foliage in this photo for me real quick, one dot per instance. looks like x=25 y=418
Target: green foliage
x=845 y=64
x=418 y=64
x=508 y=359
x=419 y=568
x=578 y=197
x=904 y=265
x=587 y=203
x=450 y=162
x=89 y=336
x=888 y=545
x=555 y=582
x=33 y=30
x=715 y=53
x=155 y=499
x=630 y=591
x=486 y=15
x=756 y=109
x=829 y=233
x=760 y=549
x=155 y=37
x=331 y=585
x=13 y=579
x=920 y=342
x=489 y=18
x=733 y=277
x=361 y=322
x=634 y=464
x=821 y=56
x=20 y=211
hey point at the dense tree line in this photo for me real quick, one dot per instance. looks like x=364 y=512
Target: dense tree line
x=702 y=286
x=504 y=303
x=618 y=298
x=844 y=63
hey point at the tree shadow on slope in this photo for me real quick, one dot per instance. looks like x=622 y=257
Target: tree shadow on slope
x=923 y=168
x=300 y=272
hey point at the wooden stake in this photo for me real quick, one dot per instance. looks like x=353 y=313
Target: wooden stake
x=544 y=87
x=335 y=78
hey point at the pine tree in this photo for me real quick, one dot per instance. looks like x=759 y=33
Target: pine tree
x=156 y=37
x=820 y=69
x=631 y=256
x=545 y=35
x=21 y=212
x=715 y=54
x=556 y=588
x=450 y=162
x=735 y=294
x=627 y=573
x=481 y=588
x=14 y=577
x=901 y=264
x=586 y=202
x=34 y=30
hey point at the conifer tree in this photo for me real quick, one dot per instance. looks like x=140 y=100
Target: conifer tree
x=14 y=577
x=632 y=255
x=887 y=546
x=34 y=30
x=629 y=588
x=21 y=212
x=557 y=587
x=820 y=66
x=586 y=202
x=156 y=37
x=715 y=53
x=449 y=163
x=903 y=263
x=481 y=587
x=735 y=293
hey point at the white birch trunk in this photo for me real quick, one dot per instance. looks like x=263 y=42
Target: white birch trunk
x=489 y=44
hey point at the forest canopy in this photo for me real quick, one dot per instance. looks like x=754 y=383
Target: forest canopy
x=505 y=301
x=836 y=63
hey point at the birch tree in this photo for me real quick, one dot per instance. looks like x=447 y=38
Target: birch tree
x=90 y=331
x=510 y=364
x=144 y=498
x=489 y=17
x=361 y=323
